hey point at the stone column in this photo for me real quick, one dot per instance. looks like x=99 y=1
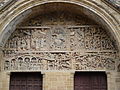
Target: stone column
x=0 y=81
x=43 y=81
x=110 y=80
x=0 y=68
x=118 y=81
x=58 y=81
x=5 y=80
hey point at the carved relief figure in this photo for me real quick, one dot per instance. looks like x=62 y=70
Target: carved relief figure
x=58 y=39
x=60 y=46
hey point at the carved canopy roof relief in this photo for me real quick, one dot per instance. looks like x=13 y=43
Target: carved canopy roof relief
x=60 y=41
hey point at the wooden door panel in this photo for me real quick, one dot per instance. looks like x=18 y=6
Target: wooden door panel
x=26 y=81
x=90 y=81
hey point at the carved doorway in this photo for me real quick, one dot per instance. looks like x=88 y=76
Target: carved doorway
x=90 y=81
x=26 y=81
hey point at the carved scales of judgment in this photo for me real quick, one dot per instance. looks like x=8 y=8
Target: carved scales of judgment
x=59 y=44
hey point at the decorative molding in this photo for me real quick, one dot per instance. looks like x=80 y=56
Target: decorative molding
x=113 y=3
x=4 y=3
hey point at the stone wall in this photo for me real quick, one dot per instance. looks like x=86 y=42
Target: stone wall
x=58 y=81
x=4 y=80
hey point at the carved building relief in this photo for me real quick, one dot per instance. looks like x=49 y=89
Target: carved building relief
x=57 y=45
x=41 y=61
x=59 y=61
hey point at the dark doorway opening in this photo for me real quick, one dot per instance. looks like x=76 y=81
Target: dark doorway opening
x=26 y=81
x=90 y=81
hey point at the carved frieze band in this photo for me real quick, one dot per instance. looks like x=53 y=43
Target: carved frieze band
x=60 y=39
x=60 y=48
x=60 y=61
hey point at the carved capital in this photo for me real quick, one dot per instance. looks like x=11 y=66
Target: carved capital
x=108 y=74
x=8 y=73
x=72 y=73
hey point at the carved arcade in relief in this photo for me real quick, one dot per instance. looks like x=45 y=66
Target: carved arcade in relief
x=60 y=61
x=43 y=61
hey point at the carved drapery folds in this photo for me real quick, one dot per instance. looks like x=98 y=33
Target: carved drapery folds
x=60 y=48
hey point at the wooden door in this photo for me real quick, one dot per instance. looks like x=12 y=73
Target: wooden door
x=26 y=81
x=90 y=81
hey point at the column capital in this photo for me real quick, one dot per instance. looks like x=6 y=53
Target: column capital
x=8 y=73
